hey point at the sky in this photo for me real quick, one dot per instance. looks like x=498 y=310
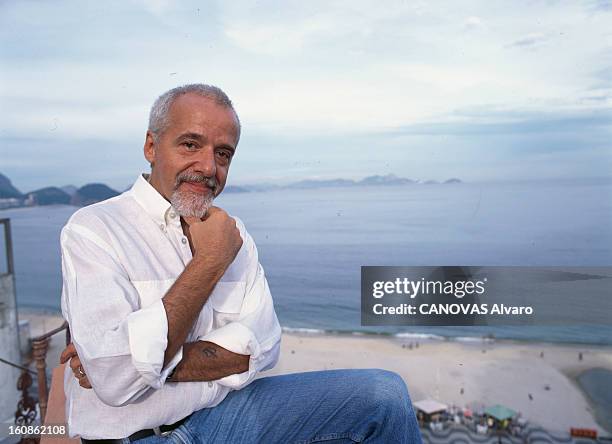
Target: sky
x=480 y=90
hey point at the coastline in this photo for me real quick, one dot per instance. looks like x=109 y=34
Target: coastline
x=507 y=372
x=545 y=389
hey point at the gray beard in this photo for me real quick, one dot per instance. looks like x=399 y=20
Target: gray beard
x=188 y=204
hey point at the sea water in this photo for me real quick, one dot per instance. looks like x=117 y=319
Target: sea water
x=312 y=243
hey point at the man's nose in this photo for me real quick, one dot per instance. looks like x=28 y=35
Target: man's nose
x=205 y=162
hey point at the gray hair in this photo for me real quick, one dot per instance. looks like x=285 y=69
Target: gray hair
x=158 y=117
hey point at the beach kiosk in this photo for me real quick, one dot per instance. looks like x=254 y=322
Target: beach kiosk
x=429 y=410
x=499 y=416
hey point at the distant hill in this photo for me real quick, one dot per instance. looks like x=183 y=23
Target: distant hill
x=47 y=196
x=70 y=189
x=235 y=189
x=92 y=193
x=262 y=187
x=377 y=180
x=389 y=179
x=321 y=183
x=7 y=190
x=96 y=192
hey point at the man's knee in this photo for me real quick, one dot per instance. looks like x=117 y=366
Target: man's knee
x=389 y=390
x=388 y=405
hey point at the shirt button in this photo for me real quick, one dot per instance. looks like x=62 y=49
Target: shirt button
x=183 y=240
x=210 y=384
x=162 y=227
x=172 y=215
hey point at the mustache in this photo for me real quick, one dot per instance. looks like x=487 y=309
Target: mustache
x=188 y=176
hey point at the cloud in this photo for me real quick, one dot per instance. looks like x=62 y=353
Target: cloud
x=601 y=5
x=277 y=38
x=490 y=120
x=335 y=76
x=472 y=22
x=531 y=40
x=155 y=7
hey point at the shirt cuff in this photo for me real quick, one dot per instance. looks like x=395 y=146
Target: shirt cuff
x=237 y=338
x=148 y=337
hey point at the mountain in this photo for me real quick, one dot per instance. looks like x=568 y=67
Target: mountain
x=377 y=180
x=262 y=187
x=453 y=180
x=70 y=189
x=92 y=193
x=7 y=190
x=235 y=189
x=389 y=179
x=321 y=183
x=96 y=192
x=47 y=196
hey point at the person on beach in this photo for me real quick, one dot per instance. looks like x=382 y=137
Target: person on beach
x=172 y=319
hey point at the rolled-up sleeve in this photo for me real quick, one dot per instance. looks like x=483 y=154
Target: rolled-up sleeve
x=256 y=332
x=121 y=344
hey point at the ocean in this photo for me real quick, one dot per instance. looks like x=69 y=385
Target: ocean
x=312 y=243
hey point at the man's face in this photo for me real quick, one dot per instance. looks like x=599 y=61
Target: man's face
x=191 y=158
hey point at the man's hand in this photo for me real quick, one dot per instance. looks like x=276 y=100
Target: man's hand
x=202 y=361
x=207 y=361
x=215 y=240
x=70 y=353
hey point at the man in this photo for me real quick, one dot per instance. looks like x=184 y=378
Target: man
x=171 y=315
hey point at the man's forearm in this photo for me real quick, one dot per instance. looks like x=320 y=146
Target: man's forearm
x=183 y=303
x=206 y=361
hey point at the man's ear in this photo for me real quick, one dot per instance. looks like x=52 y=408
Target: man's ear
x=149 y=148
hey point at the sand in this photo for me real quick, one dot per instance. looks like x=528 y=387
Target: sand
x=505 y=373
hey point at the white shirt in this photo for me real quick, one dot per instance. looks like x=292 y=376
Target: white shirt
x=119 y=257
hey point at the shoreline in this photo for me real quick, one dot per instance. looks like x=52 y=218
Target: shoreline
x=538 y=379
x=406 y=336
x=602 y=416
x=423 y=337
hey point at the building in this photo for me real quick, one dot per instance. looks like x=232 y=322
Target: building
x=9 y=332
x=499 y=416
x=429 y=410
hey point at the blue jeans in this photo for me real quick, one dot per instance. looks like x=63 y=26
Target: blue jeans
x=335 y=406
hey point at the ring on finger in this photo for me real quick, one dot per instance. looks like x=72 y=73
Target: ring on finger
x=80 y=370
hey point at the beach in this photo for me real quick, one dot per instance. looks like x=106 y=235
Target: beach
x=507 y=372
x=489 y=372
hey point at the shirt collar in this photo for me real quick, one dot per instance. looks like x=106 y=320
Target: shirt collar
x=150 y=200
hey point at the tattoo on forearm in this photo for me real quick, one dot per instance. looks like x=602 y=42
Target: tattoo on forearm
x=209 y=352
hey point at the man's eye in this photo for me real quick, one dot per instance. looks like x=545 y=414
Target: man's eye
x=225 y=154
x=190 y=146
